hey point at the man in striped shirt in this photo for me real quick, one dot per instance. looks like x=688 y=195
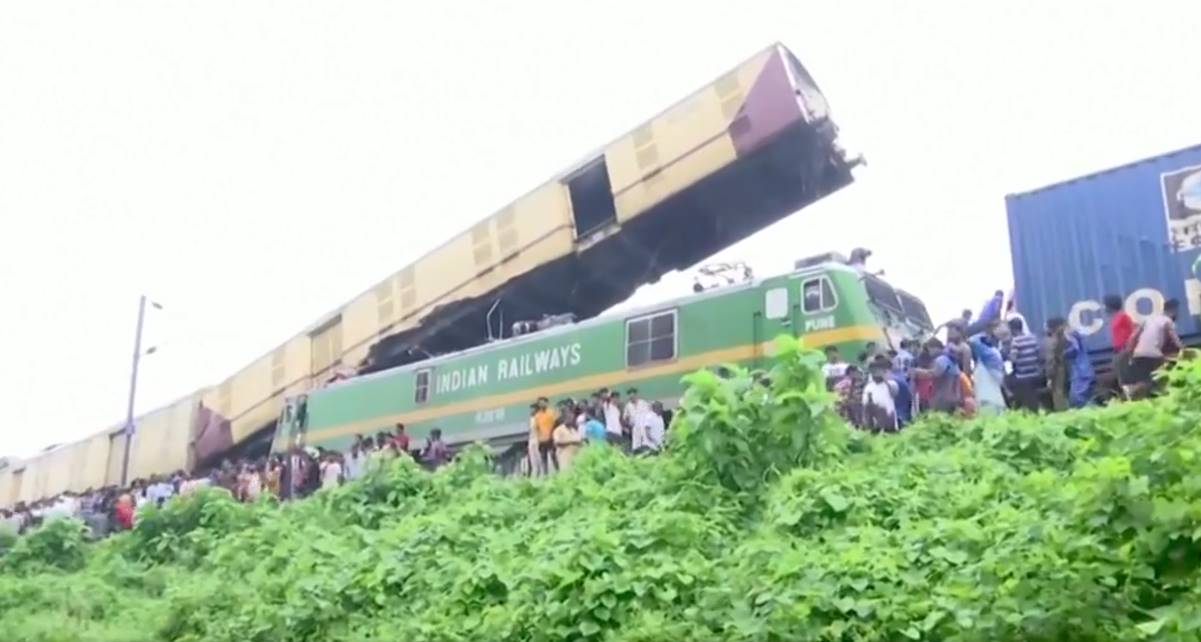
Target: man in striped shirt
x=1028 y=375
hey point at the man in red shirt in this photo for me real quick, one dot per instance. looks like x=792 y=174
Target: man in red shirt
x=401 y=439
x=1121 y=328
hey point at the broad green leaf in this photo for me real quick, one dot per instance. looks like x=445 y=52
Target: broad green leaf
x=1151 y=627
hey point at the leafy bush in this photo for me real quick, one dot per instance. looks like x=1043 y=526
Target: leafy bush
x=57 y=544
x=7 y=539
x=767 y=520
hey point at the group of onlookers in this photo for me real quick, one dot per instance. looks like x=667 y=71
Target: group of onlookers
x=557 y=433
x=107 y=509
x=989 y=364
x=296 y=474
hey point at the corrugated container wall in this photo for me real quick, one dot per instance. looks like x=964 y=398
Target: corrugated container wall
x=1133 y=231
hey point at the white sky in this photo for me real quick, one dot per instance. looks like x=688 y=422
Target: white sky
x=252 y=164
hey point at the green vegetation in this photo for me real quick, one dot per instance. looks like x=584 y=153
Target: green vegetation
x=767 y=521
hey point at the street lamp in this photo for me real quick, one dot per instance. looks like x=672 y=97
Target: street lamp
x=133 y=384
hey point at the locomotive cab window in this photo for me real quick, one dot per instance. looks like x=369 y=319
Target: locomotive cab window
x=421 y=390
x=817 y=295
x=650 y=339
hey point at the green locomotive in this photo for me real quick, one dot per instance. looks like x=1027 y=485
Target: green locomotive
x=483 y=394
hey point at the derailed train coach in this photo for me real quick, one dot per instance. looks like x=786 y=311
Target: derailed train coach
x=742 y=152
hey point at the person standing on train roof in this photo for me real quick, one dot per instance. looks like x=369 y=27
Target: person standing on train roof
x=859 y=257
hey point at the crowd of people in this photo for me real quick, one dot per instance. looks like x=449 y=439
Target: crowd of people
x=989 y=364
x=296 y=474
x=558 y=433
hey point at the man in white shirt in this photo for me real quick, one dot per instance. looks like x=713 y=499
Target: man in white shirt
x=634 y=407
x=1152 y=342
x=656 y=429
x=331 y=472
x=634 y=415
x=879 y=401
x=835 y=368
x=64 y=506
x=159 y=491
x=612 y=410
x=356 y=462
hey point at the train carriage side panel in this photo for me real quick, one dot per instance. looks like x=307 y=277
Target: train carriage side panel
x=58 y=468
x=252 y=402
x=116 y=450
x=31 y=480
x=680 y=146
x=6 y=485
x=88 y=468
x=162 y=439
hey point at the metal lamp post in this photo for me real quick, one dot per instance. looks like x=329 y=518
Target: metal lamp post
x=133 y=384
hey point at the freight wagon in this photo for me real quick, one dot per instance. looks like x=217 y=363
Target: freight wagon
x=1132 y=231
x=484 y=394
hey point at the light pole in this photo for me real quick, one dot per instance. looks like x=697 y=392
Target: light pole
x=133 y=384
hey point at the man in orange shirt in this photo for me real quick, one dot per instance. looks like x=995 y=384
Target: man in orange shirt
x=544 y=424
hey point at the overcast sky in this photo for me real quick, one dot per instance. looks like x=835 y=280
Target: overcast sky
x=253 y=165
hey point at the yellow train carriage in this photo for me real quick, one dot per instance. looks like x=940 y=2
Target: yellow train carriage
x=734 y=156
x=161 y=444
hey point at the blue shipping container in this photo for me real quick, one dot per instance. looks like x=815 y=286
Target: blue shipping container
x=1133 y=230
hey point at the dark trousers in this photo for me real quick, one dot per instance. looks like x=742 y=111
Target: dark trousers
x=546 y=451
x=1025 y=392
